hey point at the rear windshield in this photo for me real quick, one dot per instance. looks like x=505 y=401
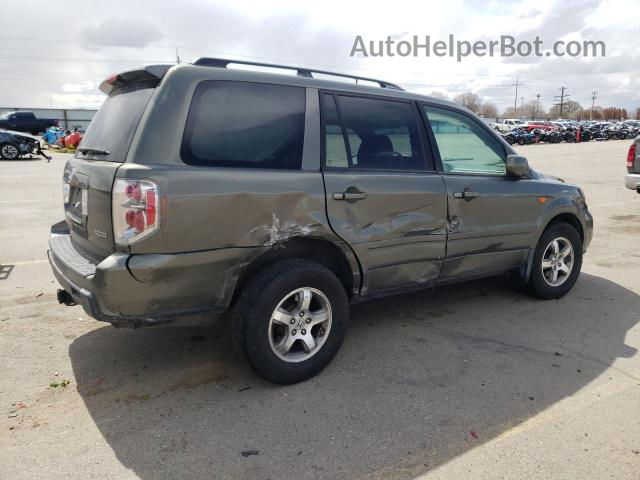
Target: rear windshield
x=113 y=127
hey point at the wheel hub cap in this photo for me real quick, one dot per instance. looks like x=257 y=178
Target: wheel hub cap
x=557 y=262
x=299 y=324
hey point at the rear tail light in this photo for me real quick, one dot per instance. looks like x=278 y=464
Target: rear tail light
x=135 y=209
x=631 y=156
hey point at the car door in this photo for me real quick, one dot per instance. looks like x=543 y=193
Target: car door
x=383 y=196
x=492 y=216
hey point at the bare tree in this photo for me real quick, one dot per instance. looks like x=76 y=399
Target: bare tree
x=510 y=112
x=532 y=110
x=488 y=110
x=469 y=100
x=570 y=109
x=614 y=113
x=638 y=113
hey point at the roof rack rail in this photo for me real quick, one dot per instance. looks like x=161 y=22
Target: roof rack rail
x=301 y=71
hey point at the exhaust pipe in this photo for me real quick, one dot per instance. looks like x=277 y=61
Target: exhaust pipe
x=65 y=298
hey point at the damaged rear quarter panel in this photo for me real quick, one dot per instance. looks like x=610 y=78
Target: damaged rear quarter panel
x=210 y=208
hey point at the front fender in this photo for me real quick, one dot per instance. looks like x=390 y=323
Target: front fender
x=559 y=206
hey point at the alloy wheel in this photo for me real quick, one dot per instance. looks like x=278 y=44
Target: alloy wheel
x=300 y=324
x=9 y=151
x=557 y=262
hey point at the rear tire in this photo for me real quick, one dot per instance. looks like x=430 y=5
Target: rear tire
x=282 y=338
x=557 y=261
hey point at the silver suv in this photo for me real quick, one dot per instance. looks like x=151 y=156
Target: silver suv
x=202 y=189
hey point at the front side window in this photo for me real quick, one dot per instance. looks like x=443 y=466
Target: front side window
x=464 y=146
x=244 y=124
x=381 y=134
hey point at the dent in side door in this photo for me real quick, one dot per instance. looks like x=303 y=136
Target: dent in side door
x=491 y=223
x=398 y=230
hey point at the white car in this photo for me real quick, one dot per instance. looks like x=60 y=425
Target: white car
x=507 y=125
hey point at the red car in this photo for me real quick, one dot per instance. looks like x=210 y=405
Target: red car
x=541 y=125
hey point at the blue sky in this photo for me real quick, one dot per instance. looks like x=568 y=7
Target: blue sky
x=38 y=72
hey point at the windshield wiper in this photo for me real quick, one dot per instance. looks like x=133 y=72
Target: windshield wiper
x=95 y=151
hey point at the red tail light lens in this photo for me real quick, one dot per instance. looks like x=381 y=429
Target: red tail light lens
x=135 y=210
x=631 y=156
x=151 y=207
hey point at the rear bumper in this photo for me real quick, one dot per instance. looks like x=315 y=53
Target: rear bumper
x=632 y=181
x=143 y=290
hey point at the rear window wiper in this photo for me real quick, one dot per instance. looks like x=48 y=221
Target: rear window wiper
x=95 y=151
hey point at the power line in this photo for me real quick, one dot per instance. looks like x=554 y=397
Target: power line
x=79 y=60
x=100 y=44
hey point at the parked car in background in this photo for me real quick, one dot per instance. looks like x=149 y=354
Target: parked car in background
x=539 y=125
x=25 y=122
x=507 y=125
x=14 y=145
x=632 y=180
x=282 y=199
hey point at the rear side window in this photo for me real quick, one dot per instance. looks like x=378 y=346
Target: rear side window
x=113 y=127
x=381 y=134
x=335 y=150
x=243 y=124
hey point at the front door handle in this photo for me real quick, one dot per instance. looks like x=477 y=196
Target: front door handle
x=349 y=196
x=465 y=194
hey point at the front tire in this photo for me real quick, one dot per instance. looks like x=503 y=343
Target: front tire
x=9 y=151
x=557 y=261
x=290 y=320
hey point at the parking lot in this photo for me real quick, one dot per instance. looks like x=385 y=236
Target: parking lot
x=477 y=380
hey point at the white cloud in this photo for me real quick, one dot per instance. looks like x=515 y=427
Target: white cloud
x=321 y=36
x=129 y=31
x=79 y=87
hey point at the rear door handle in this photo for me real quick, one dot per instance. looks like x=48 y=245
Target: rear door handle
x=349 y=196
x=465 y=194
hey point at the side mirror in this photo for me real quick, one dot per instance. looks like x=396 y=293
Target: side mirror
x=517 y=166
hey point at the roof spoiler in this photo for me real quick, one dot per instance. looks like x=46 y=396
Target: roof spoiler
x=150 y=72
x=301 y=71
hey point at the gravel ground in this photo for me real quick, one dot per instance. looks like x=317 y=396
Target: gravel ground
x=470 y=381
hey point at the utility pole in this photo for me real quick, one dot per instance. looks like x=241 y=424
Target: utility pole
x=594 y=95
x=515 y=101
x=177 y=56
x=535 y=112
x=560 y=99
x=521 y=106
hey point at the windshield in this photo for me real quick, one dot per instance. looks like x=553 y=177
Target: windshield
x=113 y=127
